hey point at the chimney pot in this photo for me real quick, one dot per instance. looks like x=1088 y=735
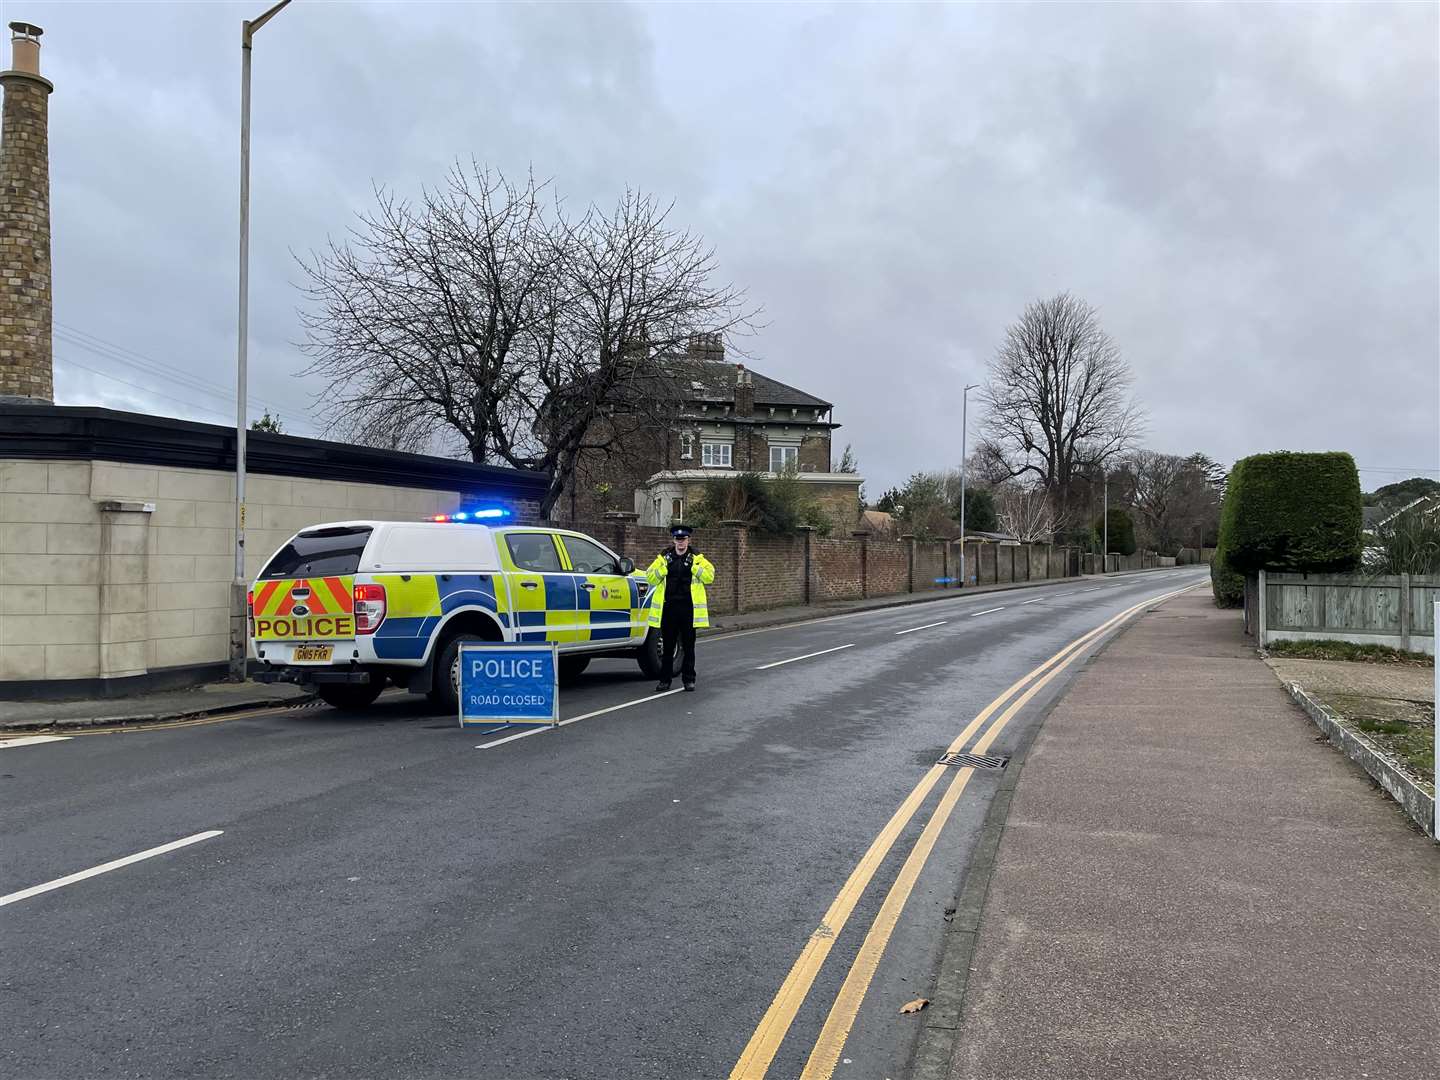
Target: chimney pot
x=25 y=48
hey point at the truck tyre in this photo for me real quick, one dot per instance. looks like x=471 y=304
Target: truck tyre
x=446 y=693
x=650 y=656
x=350 y=697
x=572 y=667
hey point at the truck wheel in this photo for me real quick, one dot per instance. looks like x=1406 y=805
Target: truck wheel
x=572 y=667
x=651 y=656
x=446 y=693
x=350 y=697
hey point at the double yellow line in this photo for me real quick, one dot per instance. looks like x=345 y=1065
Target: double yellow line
x=760 y=1051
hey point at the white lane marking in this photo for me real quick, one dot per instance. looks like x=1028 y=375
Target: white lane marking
x=32 y=740
x=987 y=611
x=577 y=719
x=105 y=868
x=1037 y=600
x=807 y=656
x=927 y=626
x=1096 y=589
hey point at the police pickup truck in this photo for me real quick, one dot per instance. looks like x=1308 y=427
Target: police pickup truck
x=353 y=606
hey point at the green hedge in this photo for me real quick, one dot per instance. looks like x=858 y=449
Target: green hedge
x=1227 y=586
x=1122 y=532
x=1292 y=512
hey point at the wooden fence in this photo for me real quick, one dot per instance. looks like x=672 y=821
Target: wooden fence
x=1395 y=610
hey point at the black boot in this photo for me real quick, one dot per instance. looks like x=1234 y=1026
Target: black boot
x=662 y=686
x=690 y=685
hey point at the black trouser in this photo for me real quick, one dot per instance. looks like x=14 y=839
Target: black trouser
x=677 y=627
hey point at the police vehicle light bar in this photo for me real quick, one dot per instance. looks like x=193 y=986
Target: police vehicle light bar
x=486 y=514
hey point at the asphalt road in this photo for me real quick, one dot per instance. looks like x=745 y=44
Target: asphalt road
x=623 y=897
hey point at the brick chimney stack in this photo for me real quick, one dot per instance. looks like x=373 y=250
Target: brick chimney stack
x=26 y=361
x=744 y=392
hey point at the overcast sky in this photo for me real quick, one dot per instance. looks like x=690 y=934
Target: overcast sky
x=1249 y=194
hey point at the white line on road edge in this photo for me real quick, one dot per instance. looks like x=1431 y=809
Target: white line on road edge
x=105 y=868
x=1037 y=600
x=32 y=740
x=987 y=611
x=807 y=656
x=577 y=719
x=927 y=626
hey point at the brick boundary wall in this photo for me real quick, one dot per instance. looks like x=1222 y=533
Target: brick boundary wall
x=755 y=571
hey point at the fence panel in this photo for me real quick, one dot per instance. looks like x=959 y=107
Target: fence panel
x=1382 y=609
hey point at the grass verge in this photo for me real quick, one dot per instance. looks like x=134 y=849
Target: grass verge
x=1413 y=745
x=1346 y=650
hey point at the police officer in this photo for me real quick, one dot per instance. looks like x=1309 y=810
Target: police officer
x=678 y=577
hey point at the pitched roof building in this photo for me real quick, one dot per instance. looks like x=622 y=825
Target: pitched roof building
x=729 y=420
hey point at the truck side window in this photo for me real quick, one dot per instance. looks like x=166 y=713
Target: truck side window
x=534 y=551
x=588 y=558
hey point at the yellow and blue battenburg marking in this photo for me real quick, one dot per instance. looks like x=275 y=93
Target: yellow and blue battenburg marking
x=415 y=607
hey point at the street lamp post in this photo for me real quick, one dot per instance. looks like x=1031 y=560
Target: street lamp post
x=964 y=431
x=238 y=606
x=1105 y=525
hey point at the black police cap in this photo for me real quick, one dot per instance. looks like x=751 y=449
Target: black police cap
x=677 y=530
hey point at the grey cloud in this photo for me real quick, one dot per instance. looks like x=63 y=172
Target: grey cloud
x=1248 y=193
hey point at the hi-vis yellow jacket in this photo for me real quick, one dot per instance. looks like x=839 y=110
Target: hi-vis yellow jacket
x=702 y=573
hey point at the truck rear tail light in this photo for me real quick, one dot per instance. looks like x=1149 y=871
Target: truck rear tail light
x=369 y=608
x=250 y=610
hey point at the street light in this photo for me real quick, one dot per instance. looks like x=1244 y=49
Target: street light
x=238 y=604
x=964 y=431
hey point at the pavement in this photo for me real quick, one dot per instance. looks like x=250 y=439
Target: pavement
x=661 y=888
x=164 y=707
x=1188 y=884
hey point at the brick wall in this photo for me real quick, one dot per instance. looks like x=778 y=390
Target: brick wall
x=772 y=570
x=836 y=569
x=815 y=453
x=887 y=567
x=930 y=564
x=25 y=326
x=755 y=571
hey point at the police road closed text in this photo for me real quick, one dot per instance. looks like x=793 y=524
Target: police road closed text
x=508 y=684
x=506 y=669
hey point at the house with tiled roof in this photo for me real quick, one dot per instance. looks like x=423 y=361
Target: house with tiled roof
x=728 y=419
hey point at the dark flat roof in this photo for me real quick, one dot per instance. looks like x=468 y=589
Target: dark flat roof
x=81 y=432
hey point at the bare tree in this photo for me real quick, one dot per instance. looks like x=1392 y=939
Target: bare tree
x=1058 y=398
x=1176 y=499
x=484 y=321
x=1027 y=512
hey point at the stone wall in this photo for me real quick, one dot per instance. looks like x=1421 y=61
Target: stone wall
x=111 y=570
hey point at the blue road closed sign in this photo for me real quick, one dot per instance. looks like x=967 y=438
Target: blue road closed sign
x=501 y=685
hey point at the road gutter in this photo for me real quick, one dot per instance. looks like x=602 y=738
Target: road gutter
x=934 y=1051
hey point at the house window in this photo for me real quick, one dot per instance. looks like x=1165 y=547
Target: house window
x=783 y=457
x=677 y=509
x=687 y=446
x=715 y=455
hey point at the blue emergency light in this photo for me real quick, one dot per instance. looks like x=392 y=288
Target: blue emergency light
x=488 y=513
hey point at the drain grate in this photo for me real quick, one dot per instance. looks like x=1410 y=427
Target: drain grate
x=974 y=761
